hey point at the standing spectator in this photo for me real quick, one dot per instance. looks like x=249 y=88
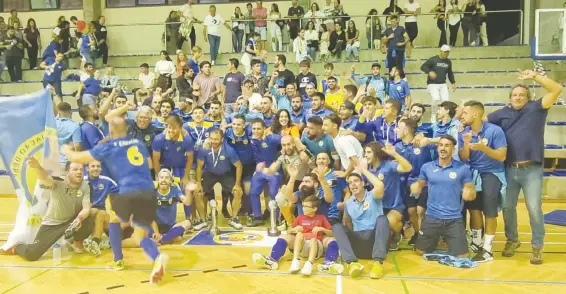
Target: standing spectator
x=80 y=24
x=260 y=81
x=286 y=75
x=454 y=20
x=311 y=35
x=327 y=10
x=315 y=15
x=440 y=10
x=233 y=81
x=437 y=68
x=482 y=20
x=260 y=15
x=393 y=10
x=53 y=48
x=469 y=27
x=337 y=42
x=250 y=51
x=14 y=55
x=54 y=68
x=300 y=47
x=89 y=46
x=295 y=13
x=373 y=30
x=275 y=30
x=238 y=26
x=187 y=29
x=102 y=39
x=324 y=39
x=211 y=31
x=13 y=19
x=395 y=39
x=165 y=69
x=194 y=61
x=181 y=62
x=412 y=9
x=63 y=31
x=523 y=122
x=91 y=86
x=206 y=85
x=171 y=35
x=33 y=42
x=352 y=41
x=250 y=23
x=339 y=14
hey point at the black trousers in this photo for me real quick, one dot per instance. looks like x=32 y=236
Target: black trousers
x=454 y=33
x=49 y=235
x=182 y=39
x=397 y=60
x=412 y=30
x=14 y=65
x=32 y=55
x=441 y=24
x=103 y=52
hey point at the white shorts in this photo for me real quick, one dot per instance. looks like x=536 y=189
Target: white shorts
x=262 y=31
x=438 y=92
x=307 y=248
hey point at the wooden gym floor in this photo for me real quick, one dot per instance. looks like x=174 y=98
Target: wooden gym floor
x=229 y=269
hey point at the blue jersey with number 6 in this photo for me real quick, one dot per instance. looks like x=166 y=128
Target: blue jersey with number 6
x=126 y=159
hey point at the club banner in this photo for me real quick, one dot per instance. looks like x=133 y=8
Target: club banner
x=28 y=128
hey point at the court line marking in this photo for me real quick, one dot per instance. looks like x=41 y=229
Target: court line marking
x=23 y=282
x=260 y=272
x=399 y=272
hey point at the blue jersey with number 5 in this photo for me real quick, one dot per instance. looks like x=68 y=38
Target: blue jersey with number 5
x=126 y=159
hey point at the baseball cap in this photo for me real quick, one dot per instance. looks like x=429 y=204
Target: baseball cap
x=445 y=48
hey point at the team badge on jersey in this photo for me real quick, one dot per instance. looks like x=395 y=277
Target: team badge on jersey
x=79 y=193
x=100 y=186
x=222 y=157
x=452 y=175
x=366 y=205
x=264 y=145
x=380 y=177
x=179 y=149
x=147 y=138
x=417 y=151
x=320 y=143
x=246 y=141
x=484 y=141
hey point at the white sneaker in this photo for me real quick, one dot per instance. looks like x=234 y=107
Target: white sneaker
x=201 y=225
x=158 y=271
x=91 y=247
x=295 y=266
x=265 y=261
x=307 y=269
x=235 y=223
x=213 y=63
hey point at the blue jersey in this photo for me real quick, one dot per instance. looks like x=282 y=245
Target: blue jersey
x=337 y=197
x=198 y=134
x=167 y=205
x=101 y=188
x=388 y=174
x=185 y=116
x=218 y=162
x=385 y=132
x=350 y=124
x=90 y=135
x=159 y=126
x=324 y=144
x=266 y=149
x=399 y=91
x=49 y=51
x=417 y=156
x=92 y=86
x=298 y=118
x=127 y=160
x=241 y=144
x=173 y=151
x=491 y=136
x=194 y=65
x=54 y=71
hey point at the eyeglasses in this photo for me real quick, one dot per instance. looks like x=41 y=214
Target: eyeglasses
x=308 y=206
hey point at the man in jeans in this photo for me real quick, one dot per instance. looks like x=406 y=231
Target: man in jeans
x=523 y=122
x=395 y=41
x=260 y=15
x=211 y=31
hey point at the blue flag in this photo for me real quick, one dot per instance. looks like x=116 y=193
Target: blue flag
x=28 y=129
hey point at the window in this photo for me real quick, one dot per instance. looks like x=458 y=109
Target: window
x=120 y=3
x=27 y=5
x=71 y=4
x=15 y=4
x=43 y=4
x=133 y=3
x=151 y=2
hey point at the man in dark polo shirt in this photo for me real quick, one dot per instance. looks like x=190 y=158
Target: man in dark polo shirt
x=523 y=122
x=395 y=39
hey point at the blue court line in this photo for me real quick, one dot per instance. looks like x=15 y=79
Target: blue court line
x=266 y=272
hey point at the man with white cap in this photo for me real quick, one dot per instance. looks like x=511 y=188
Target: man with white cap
x=437 y=68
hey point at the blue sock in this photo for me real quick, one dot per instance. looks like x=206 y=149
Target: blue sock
x=331 y=251
x=188 y=210
x=150 y=248
x=172 y=234
x=279 y=249
x=115 y=236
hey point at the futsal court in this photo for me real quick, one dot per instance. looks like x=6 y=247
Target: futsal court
x=229 y=268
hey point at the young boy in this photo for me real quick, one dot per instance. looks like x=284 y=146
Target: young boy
x=303 y=79
x=307 y=238
x=194 y=61
x=251 y=51
x=323 y=85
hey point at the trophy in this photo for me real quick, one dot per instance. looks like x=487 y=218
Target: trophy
x=272 y=231
x=213 y=228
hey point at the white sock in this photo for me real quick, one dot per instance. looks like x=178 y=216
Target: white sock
x=488 y=241
x=476 y=237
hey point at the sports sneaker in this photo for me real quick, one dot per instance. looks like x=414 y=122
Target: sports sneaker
x=413 y=240
x=115 y=265
x=283 y=226
x=307 y=269
x=510 y=247
x=295 y=266
x=256 y=223
x=355 y=269
x=265 y=261
x=78 y=247
x=376 y=270
x=536 y=256
x=104 y=244
x=483 y=256
x=475 y=248
x=200 y=225
x=394 y=242
x=330 y=267
x=226 y=214
x=235 y=223
x=158 y=268
x=91 y=247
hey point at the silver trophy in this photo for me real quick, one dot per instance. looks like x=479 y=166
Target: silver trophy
x=213 y=228
x=272 y=231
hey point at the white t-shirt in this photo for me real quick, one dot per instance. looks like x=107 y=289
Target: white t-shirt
x=411 y=7
x=213 y=24
x=254 y=101
x=187 y=11
x=146 y=79
x=346 y=147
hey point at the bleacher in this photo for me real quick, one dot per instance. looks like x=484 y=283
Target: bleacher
x=485 y=74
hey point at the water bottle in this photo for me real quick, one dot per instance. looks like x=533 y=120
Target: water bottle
x=64 y=249
x=57 y=253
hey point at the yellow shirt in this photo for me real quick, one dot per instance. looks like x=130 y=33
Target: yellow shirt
x=378 y=112
x=334 y=100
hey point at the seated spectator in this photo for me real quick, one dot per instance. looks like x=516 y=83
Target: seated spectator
x=311 y=35
x=282 y=125
x=314 y=15
x=352 y=41
x=184 y=83
x=337 y=42
x=164 y=68
x=324 y=39
x=147 y=80
x=300 y=47
x=181 y=62
x=109 y=81
x=13 y=20
x=373 y=30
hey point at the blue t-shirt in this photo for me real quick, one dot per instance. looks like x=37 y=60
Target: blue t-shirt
x=173 y=151
x=218 y=162
x=198 y=134
x=298 y=118
x=322 y=113
x=49 y=51
x=167 y=205
x=90 y=135
x=194 y=65
x=266 y=149
x=263 y=68
x=399 y=91
x=350 y=124
x=233 y=83
x=159 y=126
x=85 y=45
x=101 y=188
x=445 y=186
x=250 y=44
x=54 y=71
x=185 y=116
x=324 y=144
x=493 y=137
x=364 y=213
x=92 y=86
x=127 y=160
x=337 y=197
x=384 y=132
x=241 y=144
x=388 y=174
x=68 y=132
x=417 y=156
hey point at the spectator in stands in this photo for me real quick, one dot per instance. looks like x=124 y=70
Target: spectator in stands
x=109 y=81
x=260 y=15
x=14 y=54
x=374 y=82
x=181 y=62
x=295 y=13
x=187 y=29
x=393 y=10
x=233 y=81
x=300 y=47
x=13 y=19
x=250 y=51
x=91 y=135
x=238 y=26
x=454 y=20
x=373 y=30
x=447 y=123
x=194 y=61
x=440 y=10
x=260 y=80
x=311 y=36
x=102 y=39
x=482 y=20
x=68 y=131
x=211 y=31
x=438 y=68
x=184 y=83
x=32 y=40
x=412 y=10
x=164 y=68
x=523 y=123
x=91 y=87
x=352 y=41
x=207 y=86
x=394 y=43
x=53 y=48
x=469 y=22
x=171 y=36
x=147 y=79
x=324 y=39
x=282 y=125
x=80 y=24
x=63 y=30
x=275 y=29
x=54 y=68
x=250 y=23
x=314 y=15
x=89 y=46
x=339 y=14
x=284 y=74
x=337 y=42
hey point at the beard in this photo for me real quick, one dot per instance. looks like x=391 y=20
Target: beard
x=306 y=192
